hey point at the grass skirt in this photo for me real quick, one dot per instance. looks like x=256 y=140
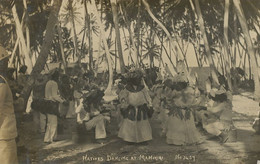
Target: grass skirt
x=182 y=131
x=135 y=131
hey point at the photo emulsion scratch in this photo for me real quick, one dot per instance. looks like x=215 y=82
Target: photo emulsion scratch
x=130 y=81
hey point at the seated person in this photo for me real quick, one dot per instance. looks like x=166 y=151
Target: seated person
x=217 y=119
x=92 y=114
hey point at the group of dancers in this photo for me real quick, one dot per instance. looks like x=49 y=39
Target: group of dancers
x=177 y=104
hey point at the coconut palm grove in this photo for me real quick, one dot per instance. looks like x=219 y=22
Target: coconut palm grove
x=130 y=81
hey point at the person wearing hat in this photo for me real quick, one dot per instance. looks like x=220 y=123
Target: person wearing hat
x=136 y=109
x=217 y=119
x=8 y=130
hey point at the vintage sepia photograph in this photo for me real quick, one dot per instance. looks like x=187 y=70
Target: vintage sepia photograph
x=129 y=81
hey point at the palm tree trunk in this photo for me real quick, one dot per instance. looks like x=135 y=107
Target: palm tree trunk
x=26 y=26
x=180 y=49
x=45 y=48
x=61 y=47
x=118 y=38
x=24 y=47
x=74 y=32
x=90 y=42
x=254 y=68
x=128 y=25
x=205 y=39
x=161 y=25
x=109 y=61
x=129 y=46
x=151 y=39
x=222 y=60
x=196 y=53
x=235 y=45
x=167 y=54
x=138 y=27
x=90 y=39
x=226 y=45
x=244 y=66
x=115 y=60
x=249 y=67
x=13 y=53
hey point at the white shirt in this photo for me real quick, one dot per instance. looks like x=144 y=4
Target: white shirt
x=52 y=91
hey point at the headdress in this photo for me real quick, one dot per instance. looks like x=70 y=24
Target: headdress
x=93 y=97
x=134 y=74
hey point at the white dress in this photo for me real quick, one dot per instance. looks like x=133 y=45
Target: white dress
x=135 y=126
x=180 y=128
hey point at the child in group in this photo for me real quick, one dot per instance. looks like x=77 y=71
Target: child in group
x=92 y=115
x=136 y=109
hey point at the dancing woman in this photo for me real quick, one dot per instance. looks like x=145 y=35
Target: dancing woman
x=136 y=110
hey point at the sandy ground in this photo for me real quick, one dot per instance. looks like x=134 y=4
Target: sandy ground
x=245 y=150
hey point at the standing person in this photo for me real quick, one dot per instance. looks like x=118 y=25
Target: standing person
x=136 y=108
x=52 y=94
x=8 y=131
x=23 y=77
x=22 y=81
x=38 y=93
x=180 y=125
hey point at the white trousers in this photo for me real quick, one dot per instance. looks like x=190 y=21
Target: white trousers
x=214 y=128
x=39 y=120
x=98 y=123
x=43 y=122
x=8 y=152
x=51 y=130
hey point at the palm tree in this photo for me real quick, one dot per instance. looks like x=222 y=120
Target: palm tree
x=46 y=46
x=109 y=60
x=70 y=16
x=205 y=39
x=175 y=47
x=131 y=46
x=118 y=38
x=26 y=25
x=89 y=34
x=24 y=48
x=61 y=47
x=241 y=16
x=152 y=50
x=226 y=45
